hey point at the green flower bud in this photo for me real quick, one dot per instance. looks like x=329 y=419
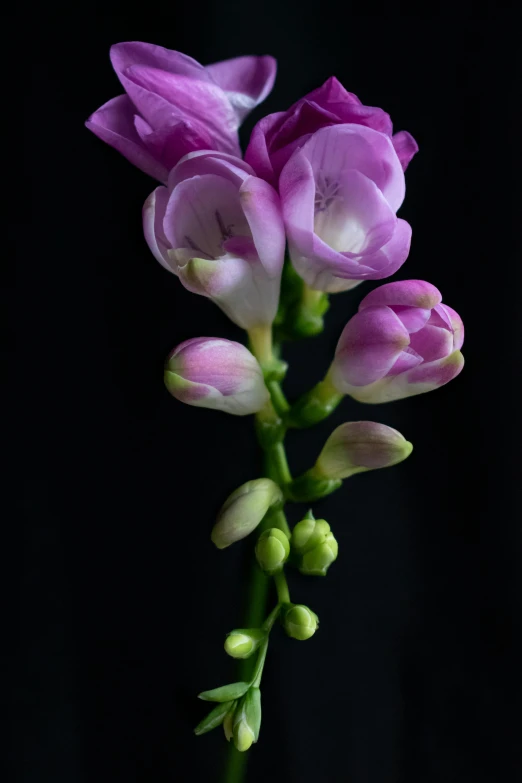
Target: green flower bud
x=242 y=642
x=309 y=533
x=214 y=718
x=300 y=622
x=228 y=722
x=247 y=720
x=243 y=511
x=316 y=561
x=272 y=550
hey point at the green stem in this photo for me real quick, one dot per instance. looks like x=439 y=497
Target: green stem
x=279 y=401
x=278 y=519
x=276 y=456
x=283 y=594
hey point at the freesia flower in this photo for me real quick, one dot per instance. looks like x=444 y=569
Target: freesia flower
x=219 y=228
x=276 y=136
x=339 y=194
x=403 y=341
x=173 y=105
x=210 y=372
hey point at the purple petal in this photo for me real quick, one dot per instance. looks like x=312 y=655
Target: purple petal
x=202 y=213
x=351 y=215
x=406 y=361
x=202 y=162
x=246 y=81
x=172 y=142
x=114 y=124
x=411 y=293
x=413 y=318
x=160 y=95
x=391 y=256
x=124 y=55
x=405 y=147
x=257 y=153
x=262 y=209
x=342 y=147
x=432 y=343
x=456 y=325
x=153 y=215
x=369 y=346
x=434 y=374
x=347 y=107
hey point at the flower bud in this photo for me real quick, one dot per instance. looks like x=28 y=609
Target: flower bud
x=309 y=533
x=300 y=622
x=272 y=550
x=317 y=560
x=213 y=373
x=242 y=642
x=358 y=446
x=244 y=510
x=247 y=720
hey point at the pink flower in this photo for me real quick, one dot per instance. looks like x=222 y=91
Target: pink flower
x=173 y=105
x=213 y=373
x=402 y=342
x=276 y=136
x=339 y=193
x=219 y=228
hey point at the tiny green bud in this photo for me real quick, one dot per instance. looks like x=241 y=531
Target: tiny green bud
x=242 y=642
x=272 y=550
x=309 y=533
x=247 y=720
x=316 y=561
x=243 y=511
x=300 y=622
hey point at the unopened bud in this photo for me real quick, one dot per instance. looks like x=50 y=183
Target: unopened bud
x=309 y=533
x=272 y=550
x=300 y=622
x=242 y=642
x=247 y=720
x=317 y=561
x=243 y=511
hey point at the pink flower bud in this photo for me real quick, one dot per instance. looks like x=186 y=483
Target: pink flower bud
x=358 y=446
x=403 y=341
x=213 y=373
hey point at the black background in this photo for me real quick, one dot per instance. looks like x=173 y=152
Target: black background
x=413 y=676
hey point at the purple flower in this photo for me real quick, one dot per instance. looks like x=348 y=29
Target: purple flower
x=220 y=229
x=276 y=136
x=213 y=373
x=402 y=342
x=173 y=105
x=339 y=193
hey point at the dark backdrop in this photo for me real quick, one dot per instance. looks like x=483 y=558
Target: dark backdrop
x=414 y=674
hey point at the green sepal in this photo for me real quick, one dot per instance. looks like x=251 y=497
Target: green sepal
x=226 y=692
x=314 y=406
x=307 y=488
x=270 y=432
x=214 y=718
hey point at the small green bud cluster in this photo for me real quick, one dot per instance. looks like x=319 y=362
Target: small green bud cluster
x=315 y=545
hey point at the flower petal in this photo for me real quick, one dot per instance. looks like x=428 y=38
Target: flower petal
x=246 y=81
x=343 y=147
x=210 y=162
x=369 y=346
x=114 y=124
x=262 y=209
x=410 y=293
x=413 y=318
x=153 y=215
x=202 y=213
x=405 y=147
x=432 y=343
x=257 y=154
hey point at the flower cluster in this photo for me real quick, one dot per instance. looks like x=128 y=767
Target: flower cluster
x=310 y=210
